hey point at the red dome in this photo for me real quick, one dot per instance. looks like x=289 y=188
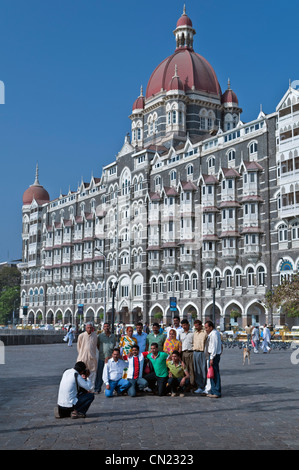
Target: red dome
x=184 y=20
x=194 y=71
x=139 y=103
x=36 y=192
x=176 y=84
x=229 y=98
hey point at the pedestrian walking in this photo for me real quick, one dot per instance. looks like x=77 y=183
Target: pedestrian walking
x=255 y=339
x=266 y=340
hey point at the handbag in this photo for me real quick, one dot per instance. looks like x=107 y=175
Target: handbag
x=210 y=374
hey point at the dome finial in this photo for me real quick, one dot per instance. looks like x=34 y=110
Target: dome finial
x=141 y=90
x=175 y=70
x=228 y=83
x=184 y=9
x=36 y=182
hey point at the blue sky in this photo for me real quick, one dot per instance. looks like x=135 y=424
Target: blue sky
x=73 y=68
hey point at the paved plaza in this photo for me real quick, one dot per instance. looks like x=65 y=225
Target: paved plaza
x=258 y=410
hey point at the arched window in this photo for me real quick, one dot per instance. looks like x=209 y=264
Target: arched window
x=208 y=280
x=250 y=277
x=160 y=283
x=186 y=282
x=228 y=278
x=194 y=281
x=176 y=283
x=238 y=278
x=261 y=276
x=169 y=284
x=295 y=231
x=283 y=233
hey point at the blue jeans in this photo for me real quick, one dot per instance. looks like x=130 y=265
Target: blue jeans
x=84 y=402
x=216 y=381
x=139 y=383
x=120 y=386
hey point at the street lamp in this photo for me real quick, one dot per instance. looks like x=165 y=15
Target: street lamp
x=214 y=284
x=113 y=287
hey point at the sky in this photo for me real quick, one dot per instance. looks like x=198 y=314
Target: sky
x=73 y=68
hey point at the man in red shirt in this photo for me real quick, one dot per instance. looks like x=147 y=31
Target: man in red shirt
x=135 y=371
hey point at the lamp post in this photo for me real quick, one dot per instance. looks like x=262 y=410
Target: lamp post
x=214 y=284
x=113 y=288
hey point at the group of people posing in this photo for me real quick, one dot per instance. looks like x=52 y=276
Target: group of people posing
x=169 y=362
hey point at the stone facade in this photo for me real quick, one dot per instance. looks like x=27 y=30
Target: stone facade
x=196 y=204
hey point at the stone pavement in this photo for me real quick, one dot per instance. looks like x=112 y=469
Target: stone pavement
x=258 y=410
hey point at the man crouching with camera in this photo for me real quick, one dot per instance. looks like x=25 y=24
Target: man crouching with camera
x=74 y=396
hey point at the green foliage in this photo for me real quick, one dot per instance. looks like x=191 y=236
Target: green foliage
x=10 y=281
x=234 y=313
x=158 y=315
x=9 y=298
x=286 y=296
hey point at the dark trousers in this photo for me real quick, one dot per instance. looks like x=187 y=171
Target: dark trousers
x=82 y=405
x=174 y=384
x=161 y=382
x=200 y=368
x=216 y=381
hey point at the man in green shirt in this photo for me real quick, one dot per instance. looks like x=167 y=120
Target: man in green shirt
x=106 y=344
x=155 y=337
x=159 y=375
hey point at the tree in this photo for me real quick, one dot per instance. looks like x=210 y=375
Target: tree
x=9 y=276
x=10 y=281
x=286 y=296
x=9 y=297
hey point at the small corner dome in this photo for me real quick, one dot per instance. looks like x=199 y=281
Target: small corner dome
x=37 y=192
x=229 y=97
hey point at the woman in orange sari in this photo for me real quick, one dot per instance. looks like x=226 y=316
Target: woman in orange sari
x=172 y=344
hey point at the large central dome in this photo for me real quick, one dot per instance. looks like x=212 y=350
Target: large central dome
x=194 y=71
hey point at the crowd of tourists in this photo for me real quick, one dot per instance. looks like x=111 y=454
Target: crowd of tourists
x=168 y=361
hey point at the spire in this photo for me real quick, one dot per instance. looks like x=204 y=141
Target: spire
x=141 y=90
x=228 y=84
x=184 y=31
x=36 y=182
x=175 y=71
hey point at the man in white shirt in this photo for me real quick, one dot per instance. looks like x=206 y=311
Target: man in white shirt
x=74 y=396
x=112 y=375
x=213 y=349
x=266 y=340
